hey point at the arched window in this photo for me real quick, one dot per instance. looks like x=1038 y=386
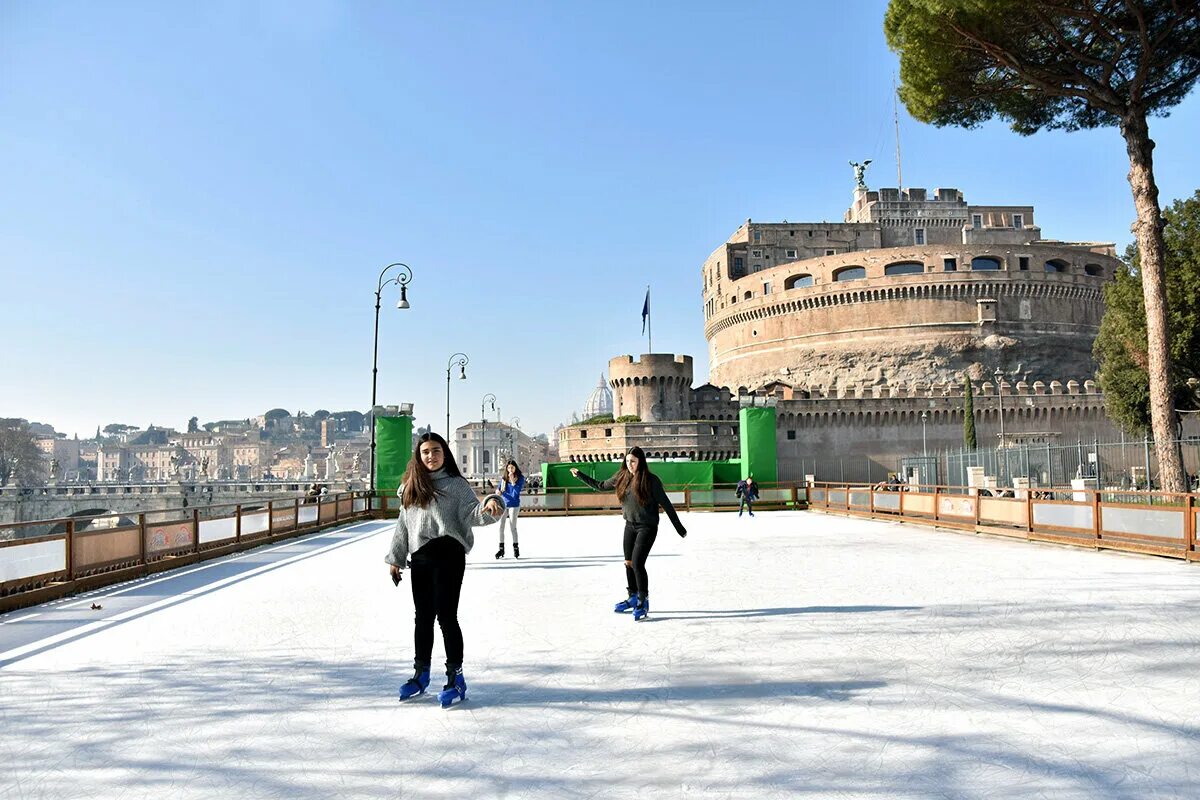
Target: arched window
x=904 y=268
x=1094 y=269
x=984 y=263
x=850 y=273
x=746 y=296
x=798 y=281
x=1056 y=265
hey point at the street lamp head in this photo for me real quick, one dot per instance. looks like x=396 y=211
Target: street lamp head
x=403 y=304
x=924 y=415
x=462 y=375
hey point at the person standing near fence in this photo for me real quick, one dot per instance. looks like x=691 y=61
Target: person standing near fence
x=438 y=509
x=747 y=490
x=641 y=494
x=511 y=485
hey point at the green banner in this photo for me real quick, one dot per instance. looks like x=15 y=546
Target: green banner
x=393 y=449
x=756 y=429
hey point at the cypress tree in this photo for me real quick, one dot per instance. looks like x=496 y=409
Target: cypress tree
x=969 y=416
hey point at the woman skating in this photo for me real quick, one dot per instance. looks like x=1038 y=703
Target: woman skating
x=434 y=527
x=511 y=485
x=641 y=493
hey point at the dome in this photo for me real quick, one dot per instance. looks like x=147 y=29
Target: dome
x=600 y=401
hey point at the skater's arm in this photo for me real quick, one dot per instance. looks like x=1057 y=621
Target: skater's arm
x=599 y=486
x=397 y=555
x=660 y=497
x=473 y=512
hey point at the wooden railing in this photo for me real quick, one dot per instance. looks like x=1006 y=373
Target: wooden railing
x=1155 y=523
x=46 y=559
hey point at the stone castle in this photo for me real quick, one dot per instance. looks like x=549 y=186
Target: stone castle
x=860 y=333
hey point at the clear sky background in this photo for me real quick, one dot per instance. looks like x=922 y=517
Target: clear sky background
x=196 y=202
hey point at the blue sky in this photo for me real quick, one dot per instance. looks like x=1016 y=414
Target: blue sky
x=198 y=200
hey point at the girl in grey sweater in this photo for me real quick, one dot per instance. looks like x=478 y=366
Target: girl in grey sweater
x=438 y=510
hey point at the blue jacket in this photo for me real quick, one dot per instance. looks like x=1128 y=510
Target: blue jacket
x=511 y=492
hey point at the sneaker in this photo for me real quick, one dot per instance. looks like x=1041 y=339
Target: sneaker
x=643 y=608
x=628 y=604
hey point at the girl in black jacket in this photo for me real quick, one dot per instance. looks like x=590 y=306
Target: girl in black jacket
x=641 y=493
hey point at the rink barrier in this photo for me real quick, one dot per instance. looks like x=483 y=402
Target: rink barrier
x=586 y=501
x=1151 y=523
x=47 y=559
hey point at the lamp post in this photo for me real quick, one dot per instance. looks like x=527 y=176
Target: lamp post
x=514 y=425
x=460 y=360
x=924 y=449
x=402 y=280
x=487 y=398
x=999 y=375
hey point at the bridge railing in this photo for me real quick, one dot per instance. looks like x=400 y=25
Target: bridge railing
x=56 y=559
x=1154 y=523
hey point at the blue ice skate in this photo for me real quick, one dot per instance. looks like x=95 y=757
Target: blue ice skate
x=454 y=692
x=415 y=685
x=642 y=609
x=628 y=604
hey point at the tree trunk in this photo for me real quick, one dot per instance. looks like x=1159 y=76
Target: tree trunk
x=1148 y=232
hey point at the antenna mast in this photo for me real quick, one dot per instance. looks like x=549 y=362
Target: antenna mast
x=896 y=118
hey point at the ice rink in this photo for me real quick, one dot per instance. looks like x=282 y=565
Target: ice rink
x=790 y=655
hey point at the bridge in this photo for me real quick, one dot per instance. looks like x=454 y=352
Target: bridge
x=88 y=501
x=795 y=654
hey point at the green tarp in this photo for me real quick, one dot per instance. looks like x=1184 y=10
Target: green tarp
x=756 y=432
x=393 y=449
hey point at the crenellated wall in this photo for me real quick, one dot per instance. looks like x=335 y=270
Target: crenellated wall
x=656 y=387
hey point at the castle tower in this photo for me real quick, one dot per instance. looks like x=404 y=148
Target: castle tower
x=655 y=388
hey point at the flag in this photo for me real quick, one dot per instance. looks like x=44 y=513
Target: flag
x=645 y=309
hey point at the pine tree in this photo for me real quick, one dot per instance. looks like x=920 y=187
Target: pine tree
x=969 y=416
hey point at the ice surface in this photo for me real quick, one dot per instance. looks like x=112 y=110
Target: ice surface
x=790 y=655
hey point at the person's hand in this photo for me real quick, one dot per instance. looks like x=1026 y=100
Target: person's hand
x=396 y=572
x=629 y=564
x=493 y=508
x=574 y=472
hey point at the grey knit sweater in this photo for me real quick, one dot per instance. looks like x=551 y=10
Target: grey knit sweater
x=452 y=512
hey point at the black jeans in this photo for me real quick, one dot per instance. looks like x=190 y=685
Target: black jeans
x=746 y=503
x=437 y=576
x=638 y=541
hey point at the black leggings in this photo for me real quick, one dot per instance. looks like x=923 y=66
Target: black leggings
x=638 y=541
x=437 y=576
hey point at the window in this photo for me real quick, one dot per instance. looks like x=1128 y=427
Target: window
x=831 y=252
x=714 y=429
x=850 y=274
x=984 y=263
x=798 y=282
x=1018 y=221
x=738 y=263
x=608 y=431
x=950 y=264
x=904 y=268
x=791 y=233
x=1093 y=269
x=791 y=436
x=756 y=253
x=1056 y=265
x=789 y=253
x=464 y=459
x=582 y=435
x=766 y=287
x=977 y=221
x=1023 y=263
x=462 y=436
x=757 y=237
x=746 y=296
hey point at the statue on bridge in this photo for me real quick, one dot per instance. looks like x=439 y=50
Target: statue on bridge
x=54 y=469
x=860 y=172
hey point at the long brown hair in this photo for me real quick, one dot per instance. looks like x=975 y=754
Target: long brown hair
x=417 y=483
x=640 y=481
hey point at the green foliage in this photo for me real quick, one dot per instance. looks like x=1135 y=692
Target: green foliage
x=969 y=440
x=116 y=428
x=628 y=418
x=599 y=419
x=21 y=462
x=1120 y=347
x=1041 y=63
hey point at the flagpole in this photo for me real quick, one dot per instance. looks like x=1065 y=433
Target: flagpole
x=649 y=320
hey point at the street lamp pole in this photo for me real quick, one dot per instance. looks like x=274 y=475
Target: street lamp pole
x=924 y=449
x=999 y=374
x=515 y=425
x=487 y=398
x=402 y=280
x=460 y=360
